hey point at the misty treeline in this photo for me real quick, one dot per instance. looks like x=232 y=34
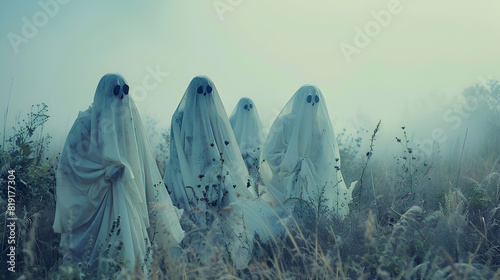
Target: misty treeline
x=429 y=210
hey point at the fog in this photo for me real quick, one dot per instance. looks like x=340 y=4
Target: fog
x=421 y=196
x=405 y=62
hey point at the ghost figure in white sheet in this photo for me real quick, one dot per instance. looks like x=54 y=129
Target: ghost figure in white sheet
x=111 y=203
x=301 y=158
x=250 y=135
x=206 y=174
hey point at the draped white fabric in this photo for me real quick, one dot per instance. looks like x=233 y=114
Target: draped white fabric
x=111 y=200
x=300 y=158
x=206 y=173
x=250 y=134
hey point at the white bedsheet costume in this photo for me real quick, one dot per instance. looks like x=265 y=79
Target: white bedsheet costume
x=250 y=134
x=206 y=174
x=300 y=158
x=111 y=201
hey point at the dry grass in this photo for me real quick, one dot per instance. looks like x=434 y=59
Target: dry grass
x=457 y=237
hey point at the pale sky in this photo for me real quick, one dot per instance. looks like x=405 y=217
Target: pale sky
x=412 y=67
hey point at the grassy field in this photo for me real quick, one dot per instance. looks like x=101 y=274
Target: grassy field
x=409 y=219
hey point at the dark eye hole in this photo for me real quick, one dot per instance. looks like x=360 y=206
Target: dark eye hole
x=200 y=90
x=309 y=99
x=316 y=99
x=251 y=106
x=245 y=107
x=116 y=90
x=125 y=88
x=209 y=89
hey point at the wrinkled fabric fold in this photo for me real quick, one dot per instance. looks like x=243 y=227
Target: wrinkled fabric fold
x=206 y=175
x=108 y=186
x=250 y=135
x=300 y=157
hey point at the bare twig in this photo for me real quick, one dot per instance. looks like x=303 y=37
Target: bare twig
x=368 y=156
x=460 y=164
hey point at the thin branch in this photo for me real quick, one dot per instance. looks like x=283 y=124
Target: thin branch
x=368 y=156
x=460 y=164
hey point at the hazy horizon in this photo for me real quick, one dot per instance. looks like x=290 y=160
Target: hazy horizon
x=409 y=71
